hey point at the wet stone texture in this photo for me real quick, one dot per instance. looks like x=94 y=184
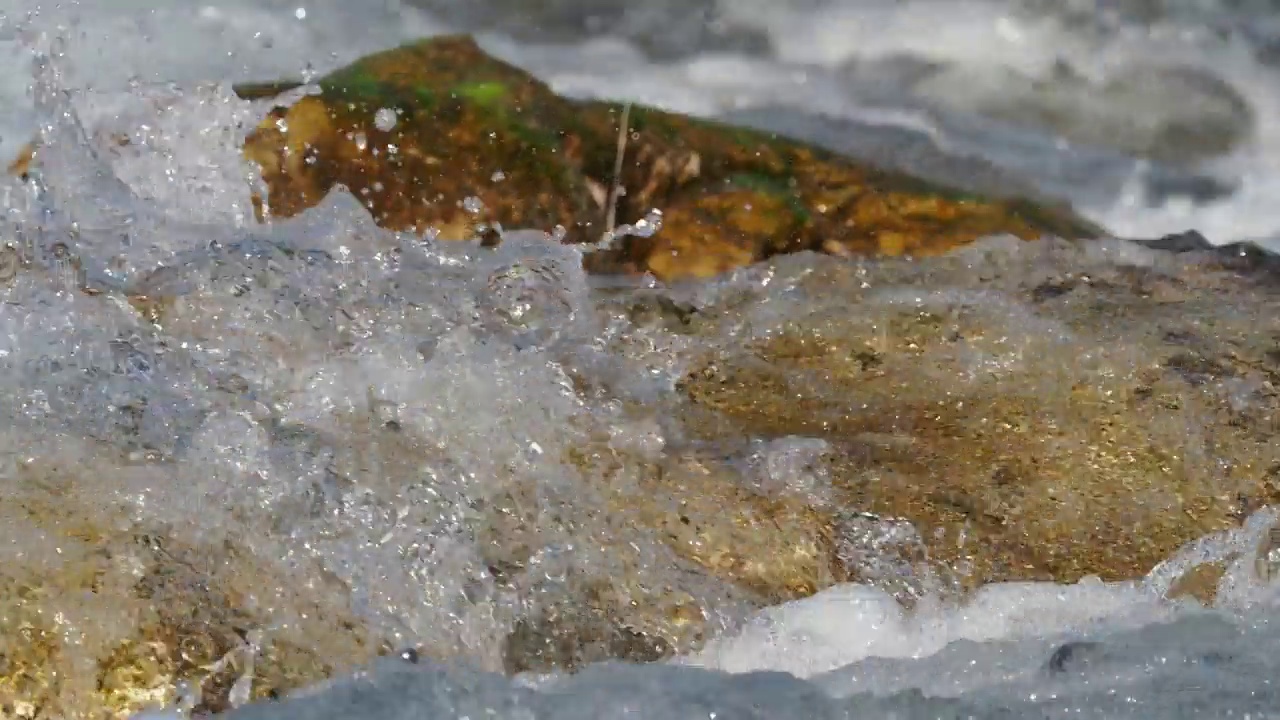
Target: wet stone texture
x=1042 y=413
x=101 y=617
x=438 y=137
x=1009 y=411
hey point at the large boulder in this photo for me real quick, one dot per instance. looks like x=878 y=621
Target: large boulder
x=437 y=136
x=1035 y=413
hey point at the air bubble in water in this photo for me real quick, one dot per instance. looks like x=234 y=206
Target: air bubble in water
x=385 y=119
x=791 y=465
x=886 y=552
x=533 y=294
x=527 y=300
x=649 y=225
x=473 y=205
x=362 y=142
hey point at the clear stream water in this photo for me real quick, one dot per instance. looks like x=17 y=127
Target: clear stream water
x=1152 y=116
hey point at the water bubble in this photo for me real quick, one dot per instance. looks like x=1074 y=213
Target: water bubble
x=649 y=225
x=498 y=176
x=473 y=205
x=533 y=294
x=300 y=13
x=385 y=119
x=362 y=142
x=791 y=465
x=527 y=299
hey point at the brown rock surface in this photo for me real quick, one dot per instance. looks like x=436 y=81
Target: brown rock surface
x=476 y=142
x=684 y=515
x=1043 y=416
x=102 y=617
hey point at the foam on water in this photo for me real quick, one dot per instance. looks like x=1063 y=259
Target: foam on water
x=302 y=366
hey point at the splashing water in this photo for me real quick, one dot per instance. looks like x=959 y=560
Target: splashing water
x=453 y=441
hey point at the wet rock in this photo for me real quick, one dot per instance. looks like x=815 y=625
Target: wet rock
x=1199 y=583
x=1023 y=407
x=438 y=137
x=103 y=617
x=570 y=636
x=733 y=549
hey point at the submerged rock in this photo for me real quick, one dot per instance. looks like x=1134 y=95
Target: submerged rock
x=439 y=137
x=1038 y=413
x=103 y=617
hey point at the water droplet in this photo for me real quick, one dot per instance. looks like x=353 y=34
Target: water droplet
x=300 y=13
x=498 y=176
x=649 y=225
x=473 y=205
x=361 y=141
x=385 y=119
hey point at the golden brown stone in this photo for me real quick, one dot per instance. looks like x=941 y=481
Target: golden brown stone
x=761 y=550
x=1200 y=582
x=1016 y=458
x=102 y=618
x=470 y=128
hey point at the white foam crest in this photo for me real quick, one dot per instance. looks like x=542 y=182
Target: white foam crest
x=848 y=623
x=834 y=630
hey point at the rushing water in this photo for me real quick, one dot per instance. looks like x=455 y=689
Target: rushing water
x=325 y=392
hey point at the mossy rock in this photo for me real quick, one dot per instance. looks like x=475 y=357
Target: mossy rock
x=468 y=127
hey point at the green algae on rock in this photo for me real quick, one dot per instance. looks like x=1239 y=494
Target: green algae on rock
x=438 y=136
